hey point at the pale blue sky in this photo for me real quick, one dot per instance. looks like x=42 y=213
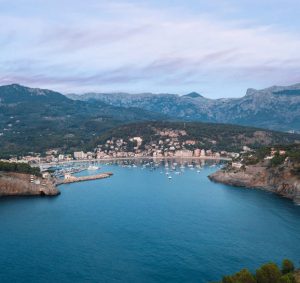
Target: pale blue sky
x=218 y=48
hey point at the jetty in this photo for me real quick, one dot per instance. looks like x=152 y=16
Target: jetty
x=72 y=179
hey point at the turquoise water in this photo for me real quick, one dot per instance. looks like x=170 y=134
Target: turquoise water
x=140 y=226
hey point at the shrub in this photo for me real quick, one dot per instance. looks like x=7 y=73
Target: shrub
x=268 y=273
x=287 y=266
x=287 y=278
x=244 y=276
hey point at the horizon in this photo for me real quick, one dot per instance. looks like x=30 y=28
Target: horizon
x=217 y=50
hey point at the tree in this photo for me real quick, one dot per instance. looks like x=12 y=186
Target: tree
x=268 y=273
x=243 y=276
x=287 y=266
x=287 y=278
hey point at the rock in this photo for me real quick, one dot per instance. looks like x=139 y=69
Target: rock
x=16 y=184
x=276 y=180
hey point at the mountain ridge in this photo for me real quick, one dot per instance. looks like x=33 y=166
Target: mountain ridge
x=33 y=119
x=275 y=108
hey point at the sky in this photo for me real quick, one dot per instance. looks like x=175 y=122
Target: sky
x=218 y=48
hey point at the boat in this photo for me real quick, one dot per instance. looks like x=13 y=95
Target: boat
x=169 y=177
x=92 y=167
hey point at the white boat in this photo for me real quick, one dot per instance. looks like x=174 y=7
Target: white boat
x=169 y=177
x=92 y=167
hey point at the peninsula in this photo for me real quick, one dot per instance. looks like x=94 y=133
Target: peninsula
x=276 y=170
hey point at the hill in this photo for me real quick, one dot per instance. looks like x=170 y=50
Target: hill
x=34 y=119
x=276 y=108
x=191 y=135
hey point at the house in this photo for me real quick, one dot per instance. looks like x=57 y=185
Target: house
x=79 y=155
x=237 y=165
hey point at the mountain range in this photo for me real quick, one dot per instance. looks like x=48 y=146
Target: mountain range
x=34 y=120
x=275 y=108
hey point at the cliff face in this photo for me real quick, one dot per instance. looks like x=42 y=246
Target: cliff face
x=16 y=184
x=280 y=180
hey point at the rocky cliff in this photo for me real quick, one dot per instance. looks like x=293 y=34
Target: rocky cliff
x=280 y=180
x=17 y=184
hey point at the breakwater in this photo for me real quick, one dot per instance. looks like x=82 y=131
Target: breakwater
x=73 y=179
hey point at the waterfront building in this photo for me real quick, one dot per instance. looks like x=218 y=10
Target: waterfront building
x=197 y=152
x=80 y=155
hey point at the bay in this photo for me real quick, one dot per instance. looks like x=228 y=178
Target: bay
x=141 y=226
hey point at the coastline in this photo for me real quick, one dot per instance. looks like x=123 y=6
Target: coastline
x=275 y=181
x=135 y=158
x=18 y=184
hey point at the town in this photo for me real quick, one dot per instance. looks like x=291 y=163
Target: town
x=168 y=147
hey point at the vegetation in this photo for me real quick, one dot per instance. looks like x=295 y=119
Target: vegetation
x=19 y=168
x=34 y=120
x=281 y=153
x=207 y=135
x=267 y=273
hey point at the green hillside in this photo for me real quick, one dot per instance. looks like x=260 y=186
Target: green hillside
x=207 y=135
x=37 y=119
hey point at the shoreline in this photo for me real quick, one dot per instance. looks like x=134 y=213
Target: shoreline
x=261 y=178
x=136 y=158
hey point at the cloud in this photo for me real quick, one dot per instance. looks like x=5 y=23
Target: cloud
x=131 y=46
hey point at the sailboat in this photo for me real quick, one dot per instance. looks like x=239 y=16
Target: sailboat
x=92 y=168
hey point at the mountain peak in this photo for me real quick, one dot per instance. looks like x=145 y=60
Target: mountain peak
x=15 y=93
x=193 y=95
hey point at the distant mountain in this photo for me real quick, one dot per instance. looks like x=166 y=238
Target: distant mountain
x=276 y=108
x=34 y=119
x=193 y=95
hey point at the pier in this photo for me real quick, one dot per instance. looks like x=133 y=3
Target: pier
x=72 y=179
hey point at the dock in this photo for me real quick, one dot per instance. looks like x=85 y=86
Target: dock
x=73 y=179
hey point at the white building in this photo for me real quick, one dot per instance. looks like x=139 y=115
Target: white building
x=184 y=153
x=197 y=152
x=61 y=157
x=79 y=155
x=237 y=165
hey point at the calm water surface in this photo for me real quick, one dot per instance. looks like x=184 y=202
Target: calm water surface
x=140 y=226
